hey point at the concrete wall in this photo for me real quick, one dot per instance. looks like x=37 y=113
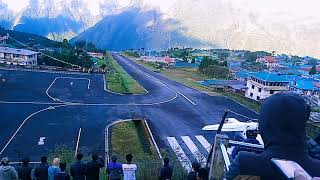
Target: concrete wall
x=257 y=91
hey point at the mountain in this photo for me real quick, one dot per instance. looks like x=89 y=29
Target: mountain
x=6 y=16
x=286 y=26
x=28 y=39
x=55 y=19
x=137 y=28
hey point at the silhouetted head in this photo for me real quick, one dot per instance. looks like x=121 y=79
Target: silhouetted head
x=95 y=157
x=25 y=161
x=251 y=134
x=44 y=159
x=196 y=166
x=166 y=161
x=129 y=158
x=79 y=156
x=282 y=122
x=56 y=162
x=63 y=166
x=114 y=158
x=5 y=161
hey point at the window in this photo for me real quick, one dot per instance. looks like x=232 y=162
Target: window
x=258 y=97
x=251 y=94
x=252 y=86
x=272 y=92
x=259 y=90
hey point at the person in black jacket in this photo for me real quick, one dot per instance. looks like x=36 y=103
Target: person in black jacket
x=24 y=172
x=62 y=174
x=93 y=168
x=194 y=172
x=41 y=172
x=166 y=170
x=78 y=168
x=282 y=125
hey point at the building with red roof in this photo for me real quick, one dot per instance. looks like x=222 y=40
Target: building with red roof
x=269 y=61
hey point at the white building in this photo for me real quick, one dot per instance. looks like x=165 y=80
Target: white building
x=18 y=56
x=261 y=85
x=269 y=61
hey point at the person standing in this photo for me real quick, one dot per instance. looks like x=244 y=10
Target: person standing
x=41 y=172
x=282 y=125
x=24 y=172
x=166 y=170
x=114 y=169
x=129 y=169
x=194 y=172
x=62 y=174
x=93 y=168
x=78 y=168
x=54 y=169
x=7 y=172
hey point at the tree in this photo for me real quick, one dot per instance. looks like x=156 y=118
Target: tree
x=225 y=64
x=207 y=62
x=216 y=71
x=313 y=70
x=223 y=55
x=193 y=60
x=250 y=56
x=312 y=62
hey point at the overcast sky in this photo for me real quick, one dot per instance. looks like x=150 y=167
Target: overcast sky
x=294 y=7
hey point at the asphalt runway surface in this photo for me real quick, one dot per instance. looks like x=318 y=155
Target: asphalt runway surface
x=43 y=110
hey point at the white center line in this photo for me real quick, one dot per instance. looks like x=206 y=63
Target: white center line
x=186 y=98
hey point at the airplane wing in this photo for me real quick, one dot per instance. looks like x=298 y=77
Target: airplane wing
x=230 y=127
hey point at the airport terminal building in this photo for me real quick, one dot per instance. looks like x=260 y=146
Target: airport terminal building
x=15 y=56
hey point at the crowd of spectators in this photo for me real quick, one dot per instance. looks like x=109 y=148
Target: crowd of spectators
x=57 y=171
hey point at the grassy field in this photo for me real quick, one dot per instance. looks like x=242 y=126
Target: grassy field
x=118 y=80
x=128 y=137
x=190 y=76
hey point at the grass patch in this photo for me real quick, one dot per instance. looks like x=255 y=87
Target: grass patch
x=118 y=80
x=313 y=129
x=129 y=137
x=255 y=105
x=131 y=54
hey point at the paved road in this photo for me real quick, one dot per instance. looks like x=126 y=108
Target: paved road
x=55 y=106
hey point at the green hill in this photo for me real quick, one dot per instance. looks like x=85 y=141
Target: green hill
x=31 y=40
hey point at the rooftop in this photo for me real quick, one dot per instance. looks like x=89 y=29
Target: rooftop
x=305 y=84
x=269 y=59
x=273 y=77
x=17 y=51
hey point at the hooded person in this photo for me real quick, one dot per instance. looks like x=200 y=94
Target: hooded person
x=7 y=172
x=24 y=171
x=282 y=125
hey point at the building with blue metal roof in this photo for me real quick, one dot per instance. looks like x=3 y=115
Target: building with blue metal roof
x=306 y=86
x=261 y=85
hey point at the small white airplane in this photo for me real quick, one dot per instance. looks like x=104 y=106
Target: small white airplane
x=233 y=125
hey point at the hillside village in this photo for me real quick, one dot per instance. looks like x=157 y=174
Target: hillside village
x=255 y=75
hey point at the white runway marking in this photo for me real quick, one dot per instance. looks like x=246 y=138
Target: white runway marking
x=194 y=150
x=182 y=157
x=186 y=98
x=78 y=140
x=41 y=141
x=204 y=143
x=56 y=99
x=33 y=114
